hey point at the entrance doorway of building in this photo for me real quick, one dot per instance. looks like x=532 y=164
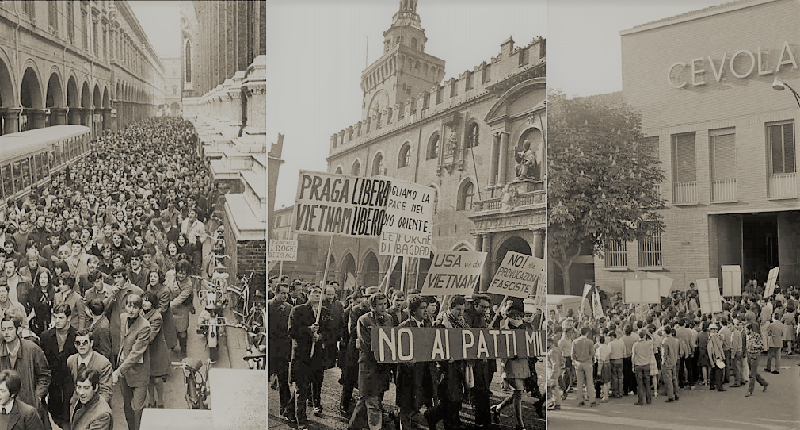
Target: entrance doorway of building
x=759 y=245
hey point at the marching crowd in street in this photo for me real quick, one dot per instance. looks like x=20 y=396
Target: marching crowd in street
x=96 y=288
x=669 y=347
x=311 y=330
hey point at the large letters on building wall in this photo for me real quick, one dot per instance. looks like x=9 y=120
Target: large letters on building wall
x=329 y=204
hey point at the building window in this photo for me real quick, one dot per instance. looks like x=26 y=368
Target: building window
x=85 y=27
x=616 y=254
x=433 y=147
x=439 y=93
x=523 y=54
x=377 y=165
x=356 y=169
x=339 y=170
x=29 y=8
x=487 y=73
x=71 y=21
x=468 y=85
x=453 y=88
x=472 y=136
x=426 y=100
x=52 y=15
x=781 y=153
x=404 y=157
x=722 y=147
x=684 y=169
x=650 y=247
x=414 y=42
x=465 y=196
x=277 y=222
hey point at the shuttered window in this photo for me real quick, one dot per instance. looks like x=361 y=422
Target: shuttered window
x=683 y=158
x=723 y=155
x=781 y=150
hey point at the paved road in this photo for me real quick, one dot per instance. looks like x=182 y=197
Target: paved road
x=776 y=409
x=332 y=420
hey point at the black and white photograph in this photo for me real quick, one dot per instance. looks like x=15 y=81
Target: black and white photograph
x=672 y=215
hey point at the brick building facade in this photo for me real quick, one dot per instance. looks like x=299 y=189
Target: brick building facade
x=75 y=62
x=459 y=137
x=704 y=84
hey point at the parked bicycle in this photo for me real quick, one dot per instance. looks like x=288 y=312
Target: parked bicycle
x=195 y=378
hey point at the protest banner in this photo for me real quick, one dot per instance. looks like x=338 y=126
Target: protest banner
x=769 y=288
x=408 y=230
x=708 y=293
x=731 y=281
x=519 y=275
x=330 y=204
x=597 y=307
x=641 y=291
x=413 y=345
x=454 y=272
x=282 y=250
x=664 y=283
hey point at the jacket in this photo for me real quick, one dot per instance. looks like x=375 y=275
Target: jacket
x=24 y=417
x=373 y=378
x=134 y=354
x=101 y=365
x=159 y=355
x=33 y=369
x=95 y=415
x=61 y=384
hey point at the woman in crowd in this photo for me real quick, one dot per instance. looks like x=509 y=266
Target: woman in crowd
x=40 y=301
x=162 y=292
x=182 y=301
x=159 y=354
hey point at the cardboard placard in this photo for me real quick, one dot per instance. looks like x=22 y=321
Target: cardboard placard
x=408 y=230
x=519 y=275
x=664 y=284
x=769 y=288
x=413 y=345
x=641 y=291
x=329 y=204
x=454 y=272
x=708 y=293
x=731 y=281
x=282 y=250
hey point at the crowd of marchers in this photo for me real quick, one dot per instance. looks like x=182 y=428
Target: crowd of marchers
x=96 y=288
x=309 y=334
x=664 y=348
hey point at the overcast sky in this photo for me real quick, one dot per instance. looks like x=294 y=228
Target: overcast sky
x=161 y=20
x=317 y=50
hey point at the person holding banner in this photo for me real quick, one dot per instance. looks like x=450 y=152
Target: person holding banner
x=450 y=388
x=373 y=378
x=415 y=381
x=484 y=369
x=358 y=307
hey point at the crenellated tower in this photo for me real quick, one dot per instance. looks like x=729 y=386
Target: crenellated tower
x=404 y=70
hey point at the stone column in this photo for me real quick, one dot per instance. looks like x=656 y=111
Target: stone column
x=486 y=272
x=37 y=118
x=538 y=243
x=106 y=118
x=11 y=119
x=493 y=160
x=503 y=158
x=74 y=115
x=58 y=116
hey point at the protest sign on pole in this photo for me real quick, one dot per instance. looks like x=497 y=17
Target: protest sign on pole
x=641 y=291
x=330 y=204
x=519 y=275
x=708 y=293
x=282 y=250
x=454 y=272
x=597 y=307
x=771 y=279
x=664 y=283
x=412 y=345
x=731 y=281
x=408 y=230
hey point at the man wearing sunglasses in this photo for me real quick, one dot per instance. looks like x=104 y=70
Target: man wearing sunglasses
x=87 y=358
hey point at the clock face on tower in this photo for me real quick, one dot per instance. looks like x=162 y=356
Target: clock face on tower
x=380 y=101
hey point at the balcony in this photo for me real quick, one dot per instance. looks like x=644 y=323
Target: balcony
x=684 y=193
x=783 y=186
x=723 y=190
x=515 y=202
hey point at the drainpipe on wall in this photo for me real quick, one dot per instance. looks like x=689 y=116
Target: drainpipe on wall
x=244 y=110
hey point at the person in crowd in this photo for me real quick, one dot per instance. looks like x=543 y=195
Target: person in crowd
x=181 y=292
x=133 y=372
x=26 y=359
x=15 y=413
x=7 y=306
x=373 y=378
x=754 y=349
x=736 y=355
x=304 y=329
x=89 y=410
x=670 y=351
x=359 y=306
x=516 y=370
x=40 y=301
x=603 y=359
x=716 y=357
x=86 y=358
x=137 y=275
x=279 y=341
x=554 y=369
x=616 y=356
x=159 y=354
x=18 y=287
x=483 y=369
x=156 y=284
x=58 y=343
x=582 y=353
x=565 y=344
x=121 y=290
x=414 y=381
x=67 y=295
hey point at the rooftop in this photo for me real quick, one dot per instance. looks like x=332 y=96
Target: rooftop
x=696 y=14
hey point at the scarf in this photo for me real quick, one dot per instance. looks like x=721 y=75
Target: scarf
x=456 y=322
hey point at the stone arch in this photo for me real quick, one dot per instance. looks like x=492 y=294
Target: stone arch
x=463 y=246
x=339 y=169
x=404 y=155
x=348 y=266
x=31 y=88
x=86 y=95
x=8 y=96
x=378 y=164
x=513 y=242
x=55 y=89
x=106 y=98
x=370 y=269
x=467 y=192
x=355 y=169
x=73 y=98
x=96 y=97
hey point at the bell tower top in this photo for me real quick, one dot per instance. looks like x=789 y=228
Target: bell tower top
x=406 y=28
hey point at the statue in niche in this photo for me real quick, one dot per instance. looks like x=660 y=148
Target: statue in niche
x=528 y=166
x=452 y=144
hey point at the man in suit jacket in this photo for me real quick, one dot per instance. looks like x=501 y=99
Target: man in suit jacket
x=27 y=360
x=89 y=410
x=414 y=381
x=774 y=343
x=121 y=289
x=133 y=372
x=88 y=358
x=280 y=344
x=17 y=415
x=58 y=343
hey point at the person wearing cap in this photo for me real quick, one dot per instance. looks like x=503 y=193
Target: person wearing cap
x=716 y=356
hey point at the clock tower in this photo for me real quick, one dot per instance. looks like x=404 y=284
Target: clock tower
x=404 y=70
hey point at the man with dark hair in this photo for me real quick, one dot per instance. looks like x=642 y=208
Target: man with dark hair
x=280 y=343
x=133 y=372
x=99 y=328
x=670 y=350
x=373 y=378
x=136 y=274
x=582 y=352
x=58 y=343
x=358 y=307
x=120 y=291
x=15 y=414
x=414 y=381
x=27 y=359
x=88 y=359
x=89 y=410
x=450 y=388
x=65 y=294
x=483 y=369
